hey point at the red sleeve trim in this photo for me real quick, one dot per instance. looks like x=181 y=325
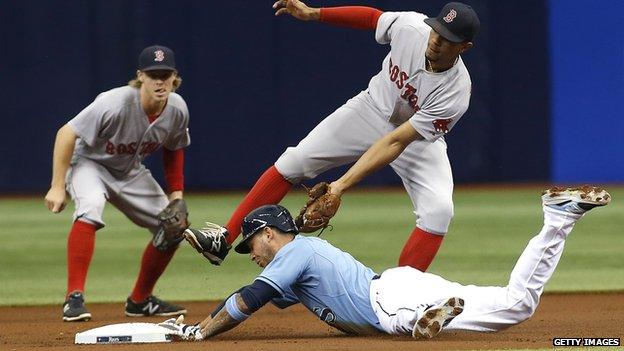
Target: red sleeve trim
x=174 y=169
x=358 y=17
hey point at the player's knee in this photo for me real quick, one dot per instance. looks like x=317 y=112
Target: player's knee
x=525 y=308
x=521 y=316
x=437 y=216
x=529 y=306
x=91 y=207
x=445 y=210
x=292 y=166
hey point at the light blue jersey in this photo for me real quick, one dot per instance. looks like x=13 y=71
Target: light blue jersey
x=329 y=282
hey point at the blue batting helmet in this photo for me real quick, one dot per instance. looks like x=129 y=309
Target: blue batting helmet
x=265 y=216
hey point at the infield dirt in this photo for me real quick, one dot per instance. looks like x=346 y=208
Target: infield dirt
x=559 y=315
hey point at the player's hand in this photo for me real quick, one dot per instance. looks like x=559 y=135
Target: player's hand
x=297 y=9
x=181 y=330
x=55 y=199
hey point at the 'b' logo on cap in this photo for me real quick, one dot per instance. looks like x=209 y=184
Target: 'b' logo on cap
x=451 y=16
x=159 y=55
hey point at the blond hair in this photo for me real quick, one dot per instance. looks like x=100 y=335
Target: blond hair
x=136 y=83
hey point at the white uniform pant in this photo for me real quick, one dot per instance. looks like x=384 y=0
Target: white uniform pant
x=137 y=195
x=346 y=134
x=400 y=295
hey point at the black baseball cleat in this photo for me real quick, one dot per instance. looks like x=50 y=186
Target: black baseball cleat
x=153 y=306
x=575 y=200
x=437 y=317
x=209 y=241
x=74 y=309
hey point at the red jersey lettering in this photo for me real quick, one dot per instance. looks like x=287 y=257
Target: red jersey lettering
x=441 y=125
x=146 y=147
x=110 y=148
x=399 y=78
x=402 y=78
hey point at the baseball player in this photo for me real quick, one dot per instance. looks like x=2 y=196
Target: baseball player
x=97 y=159
x=419 y=95
x=349 y=296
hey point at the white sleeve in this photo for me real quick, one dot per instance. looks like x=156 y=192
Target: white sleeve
x=435 y=121
x=383 y=32
x=390 y=23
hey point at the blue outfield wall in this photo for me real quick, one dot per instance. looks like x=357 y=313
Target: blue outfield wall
x=256 y=84
x=587 y=91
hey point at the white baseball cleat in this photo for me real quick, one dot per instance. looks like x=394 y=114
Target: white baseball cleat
x=575 y=200
x=437 y=317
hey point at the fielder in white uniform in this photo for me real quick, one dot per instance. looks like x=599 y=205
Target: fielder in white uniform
x=349 y=296
x=97 y=159
x=419 y=95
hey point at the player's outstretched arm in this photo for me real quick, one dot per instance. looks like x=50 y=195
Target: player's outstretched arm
x=56 y=197
x=238 y=307
x=358 y=17
x=380 y=154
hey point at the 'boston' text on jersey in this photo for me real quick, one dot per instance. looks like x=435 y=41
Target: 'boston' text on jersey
x=146 y=147
x=399 y=78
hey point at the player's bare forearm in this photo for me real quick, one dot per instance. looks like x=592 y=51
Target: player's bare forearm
x=63 y=150
x=222 y=321
x=380 y=154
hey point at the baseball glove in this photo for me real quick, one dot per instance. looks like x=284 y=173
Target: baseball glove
x=319 y=209
x=173 y=221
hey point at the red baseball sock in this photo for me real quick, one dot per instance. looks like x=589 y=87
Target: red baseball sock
x=153 y=264
x=270 y=188
x=420 y=249
x=80 y=245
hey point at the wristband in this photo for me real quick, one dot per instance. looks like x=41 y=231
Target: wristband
x=232 y=309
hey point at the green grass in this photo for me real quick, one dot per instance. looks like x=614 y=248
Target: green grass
x=489 y=231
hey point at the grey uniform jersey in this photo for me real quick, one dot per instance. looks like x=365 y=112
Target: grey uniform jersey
x=405 y=90
x=115 y=132
x=115 y=135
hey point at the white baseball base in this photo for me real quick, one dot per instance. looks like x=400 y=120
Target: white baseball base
x=124 y=333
